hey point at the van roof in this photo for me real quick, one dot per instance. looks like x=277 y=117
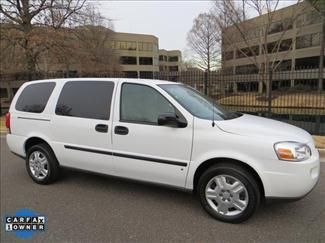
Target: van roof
x=116 y=80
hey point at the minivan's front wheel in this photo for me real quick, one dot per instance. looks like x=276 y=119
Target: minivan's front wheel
x=228 y=193
x=41 y=164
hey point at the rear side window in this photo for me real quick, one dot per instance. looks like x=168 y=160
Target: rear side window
x=34 y=97
x=86 y=99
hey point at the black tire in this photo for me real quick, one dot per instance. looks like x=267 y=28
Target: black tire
x=239 y=173
x=52 y=167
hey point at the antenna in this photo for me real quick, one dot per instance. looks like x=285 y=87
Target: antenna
x=213 y=123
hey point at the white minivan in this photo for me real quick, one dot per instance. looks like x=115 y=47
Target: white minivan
x=161 y=132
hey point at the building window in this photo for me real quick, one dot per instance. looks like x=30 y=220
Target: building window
x=280 y=26
x=227 y=70
x=146 y=75
x=116 y=45
x=145 y=46
x=307 y=63
x=246 y=69
x=247 y=86
x=125 y=60
x=275 y=27
x=275 y=46
x=313 y=17
x=306 y=84
x=131 y=45
x=228 y=55
x=248 y=52
x=308 y=41
x=173 y=68
x=155 y=47
x=131 y=74
x=281 y=85
x=163 y=58
x=145 y=60
x=253 y=32
x=284 y=65
x=173 y=59
x=309 y=18
x=3 y=93
x=124 y=45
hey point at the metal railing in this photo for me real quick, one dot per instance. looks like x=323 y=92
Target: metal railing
x=296 y=97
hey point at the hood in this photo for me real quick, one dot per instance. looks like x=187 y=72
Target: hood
x=255 y=126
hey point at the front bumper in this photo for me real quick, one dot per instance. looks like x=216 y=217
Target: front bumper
x=291 y=180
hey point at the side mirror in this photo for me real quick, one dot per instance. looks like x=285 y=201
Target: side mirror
x=170 y=119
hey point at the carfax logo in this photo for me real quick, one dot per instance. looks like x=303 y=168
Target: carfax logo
x=24 y=223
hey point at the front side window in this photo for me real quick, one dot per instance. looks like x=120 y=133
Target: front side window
x=142 y=104
x=86 y=99
x=35 y=97
x=197 y=104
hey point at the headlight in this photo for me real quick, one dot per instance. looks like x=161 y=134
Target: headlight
x=292 y=151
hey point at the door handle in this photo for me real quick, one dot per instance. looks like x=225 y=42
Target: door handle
x=121 y=130
x=101 y=128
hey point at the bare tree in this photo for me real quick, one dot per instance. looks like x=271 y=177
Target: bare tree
x=34 y=22
x=204 y=40
x=10 y=52
x=85 y=47
x=253 y=40
x=95 y=36
x=319 y=5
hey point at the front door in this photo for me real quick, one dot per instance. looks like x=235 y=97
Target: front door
x=143 y=150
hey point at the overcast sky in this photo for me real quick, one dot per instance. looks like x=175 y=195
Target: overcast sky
x=168 y=20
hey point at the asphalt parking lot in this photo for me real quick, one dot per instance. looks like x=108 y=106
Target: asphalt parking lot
x=88 y=208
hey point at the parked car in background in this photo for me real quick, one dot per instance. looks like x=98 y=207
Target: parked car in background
x=160 y=132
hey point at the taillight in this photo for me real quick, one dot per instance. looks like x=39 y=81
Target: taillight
x=8 y=121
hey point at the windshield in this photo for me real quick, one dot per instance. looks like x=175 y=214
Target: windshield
x=197 y=104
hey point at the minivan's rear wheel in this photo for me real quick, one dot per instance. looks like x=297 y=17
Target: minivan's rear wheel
x=41 y=164
x=228 y=193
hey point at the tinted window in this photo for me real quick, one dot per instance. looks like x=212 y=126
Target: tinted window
x=142 y=104
x=86 y=99
x=34 y=97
